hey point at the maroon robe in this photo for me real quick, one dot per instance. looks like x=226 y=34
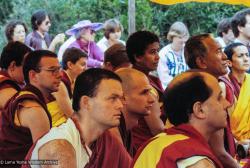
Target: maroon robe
x=67 y=83
x=194 y=145
x=108 y=152
x=15 y=141
x=142 y=133
x=229 y=142
x=7 y=82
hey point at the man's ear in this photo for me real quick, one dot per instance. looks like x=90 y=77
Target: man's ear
x=138 y=58
x=69 y=65
x=108 y=66
x=84 y=102
x=230 y=63
x=201 y=63
x=33 y=76
x=240 y=28
x=197 y=110
x=12 y=66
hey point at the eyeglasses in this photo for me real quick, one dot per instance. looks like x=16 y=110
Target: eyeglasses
x=54 y=71
x=47 y=22
x=92 y=32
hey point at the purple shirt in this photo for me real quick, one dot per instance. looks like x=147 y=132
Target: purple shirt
x=34 y=40
x=95 y=54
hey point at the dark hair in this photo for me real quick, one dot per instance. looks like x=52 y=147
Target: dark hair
x=229 y=50
x=195 y=48
x=223 y=26
x=239 y=19
x=116 y=55
x=37 y=18
x=72 y=55
x=138 y=42
x=179 y=99
x=110 y=26
x=13 y=51
x=32 y=62
x=9 y=29
x=87 y=83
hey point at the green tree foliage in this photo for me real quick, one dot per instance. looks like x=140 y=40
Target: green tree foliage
x=65 y=13
x=199 y=17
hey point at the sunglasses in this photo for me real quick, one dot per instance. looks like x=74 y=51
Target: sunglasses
x=47 y=22
x=92 y=32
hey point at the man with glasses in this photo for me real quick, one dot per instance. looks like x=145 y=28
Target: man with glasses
x=26 y=115
x=39 y=37
x=97 y=104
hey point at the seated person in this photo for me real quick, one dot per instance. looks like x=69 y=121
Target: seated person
x=84 y=33
x=195 y=116
x=116 y=57
x=142 y=48
x=172 y=61
x=11 y=75
x=238 y=88
x=39 y=38
x=112 y=34
x=97 y=102
x=16 y=31
x=26 y=117
x=74 y=62
x=138 y=100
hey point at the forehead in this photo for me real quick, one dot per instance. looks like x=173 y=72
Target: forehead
x=153 y=46
x=248 y=18
x=108 y=87
x=49 y=61
x=81 y=60
x=46 y=18
x=240 y=49
x=140 y=82
x=210 y=42
x=18 y=27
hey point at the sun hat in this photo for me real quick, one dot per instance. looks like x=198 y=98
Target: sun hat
x=83 y=24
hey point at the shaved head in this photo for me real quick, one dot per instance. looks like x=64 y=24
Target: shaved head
x=137 y=93
x=130 y=78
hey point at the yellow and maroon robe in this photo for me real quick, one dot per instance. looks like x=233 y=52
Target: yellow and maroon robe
x=240 y=117
x=67 y=82
x=176 y=143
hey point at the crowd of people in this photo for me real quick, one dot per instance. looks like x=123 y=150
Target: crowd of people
x=121 y=104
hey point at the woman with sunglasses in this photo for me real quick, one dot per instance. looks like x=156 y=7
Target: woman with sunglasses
x=84 y=33
x=39 y=37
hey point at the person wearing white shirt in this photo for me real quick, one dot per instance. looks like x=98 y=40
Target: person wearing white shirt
x=224 y=32
x=112 y=34
x=172 y=60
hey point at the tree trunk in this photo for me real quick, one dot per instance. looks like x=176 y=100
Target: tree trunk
x=131 y=16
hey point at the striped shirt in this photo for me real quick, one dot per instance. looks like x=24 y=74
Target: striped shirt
x=170 y=65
